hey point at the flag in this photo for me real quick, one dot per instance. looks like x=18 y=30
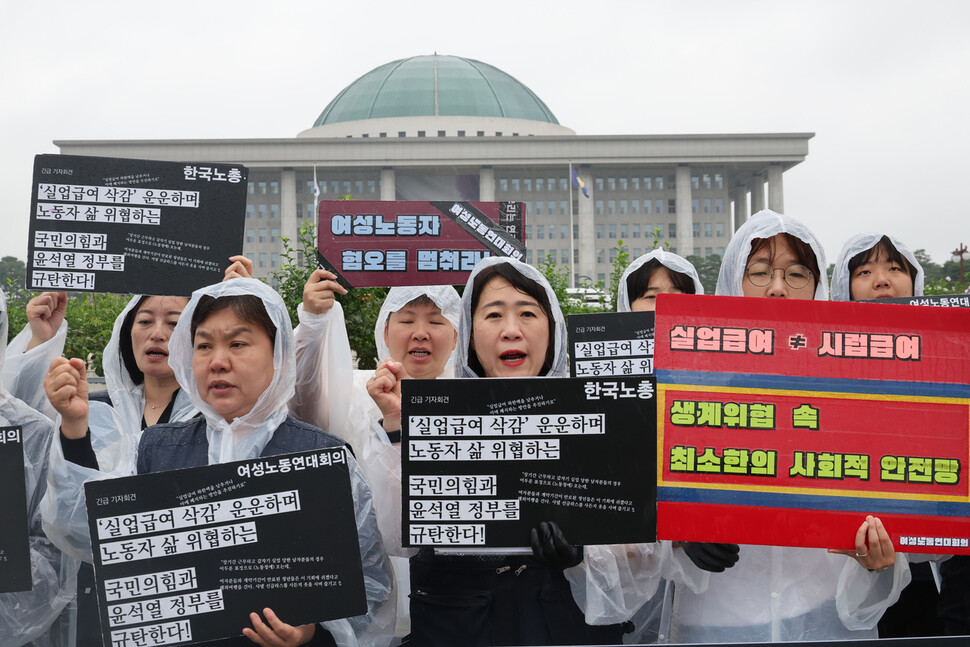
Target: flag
x=578 y=181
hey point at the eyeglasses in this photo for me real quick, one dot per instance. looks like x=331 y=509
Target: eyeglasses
x=796 y=276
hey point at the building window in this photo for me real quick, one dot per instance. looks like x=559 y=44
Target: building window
x=262 y=235
x=515 y=184
x=636 y=230
x=611 y=207
x=540 y=232
x=527 y=184
x=624 y=231
x=613 y=253
x=421 y=133
x=672 y=228
x=250 y=211
x=274 y=187
x=622 y=207
x=441 y=133
x=334 y=187
x=623 y=184
x=309 y=211
x=695 y=182
x=552 y=208
x=601 y=277
x=576 y=256
x=648 y=184
x=599 y=207
x=461 y=133
x=528 y=232
x=719 y=230
x=707 y=205
x=528 y=206
x=540 y=184
x=539 y=204
x=599 y=184
x=503 y=185
x=635 y=182
x=262 y=187
x=528 y=256
x=576 y=232
x=612 y=230
x=251 y=189
x=697 y=251
x=601 y=255
x=382 y=134
x=718 y=181
x=672 y=206
x=697 y=230
x=551 y=184
x=708 y=230
x=659 y=205
x=564 y=257
x=498 y=133
x=600 y=231
x=719 y=205
x=552 y=232
x=708 y=251
x=274 y=235
x=611 y=183
x=659 y=182
x=480 y=133
x=706 y=179
x=299 y=209
x=564 y=231
x=695 y=205
x=401 y=133
x=274 y=259
x=262 y=210
x=250 y=235
x=635 y=207
x=274 y=211
x=563 y=207
x=563 y=184
x=720 y=251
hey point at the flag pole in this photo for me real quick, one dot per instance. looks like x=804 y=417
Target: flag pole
x=572 y=239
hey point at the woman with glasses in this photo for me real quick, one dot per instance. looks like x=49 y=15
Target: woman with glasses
x=781 y=593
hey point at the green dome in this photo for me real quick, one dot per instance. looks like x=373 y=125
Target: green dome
x=435 y=86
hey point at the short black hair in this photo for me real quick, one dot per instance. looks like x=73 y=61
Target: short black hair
x=886 y=247
x=639 y=281
x=524 y=285
x=245 y=306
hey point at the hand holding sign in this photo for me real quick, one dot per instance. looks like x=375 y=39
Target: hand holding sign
x=67 y=389
x=385 y=390
x=276 y=633
x=873 y=547
x=318 y=293
x=550 y=547
x=45 y=313
x=241 y=268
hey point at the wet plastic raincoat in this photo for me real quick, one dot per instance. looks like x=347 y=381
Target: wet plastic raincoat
x=841 y=281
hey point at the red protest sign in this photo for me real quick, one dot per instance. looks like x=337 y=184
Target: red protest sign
x=386 y=244
x=787 y=422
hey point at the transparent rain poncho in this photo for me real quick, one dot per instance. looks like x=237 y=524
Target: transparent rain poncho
x=611 y=582
x=671 y=261
x=42 y=616
x=765 y=224
x=115 y=432
x=777 y=593
x=856 y=245
x=246 y=436
x=24 y=370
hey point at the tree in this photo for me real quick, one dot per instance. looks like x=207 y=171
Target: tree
x=12 y=272
x=707 y=270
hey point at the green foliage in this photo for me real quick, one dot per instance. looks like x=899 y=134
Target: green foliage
x=558 y=277
x=90 y=318
x=12 y=273
x=707 y=270
x=296 y=266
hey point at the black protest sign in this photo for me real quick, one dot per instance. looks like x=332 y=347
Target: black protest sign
x=14 y=544
x=610 y=343
x=105 y=224
x=185 y=556
x=939 y=300
x=485 y=460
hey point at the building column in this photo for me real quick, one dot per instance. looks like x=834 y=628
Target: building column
x=685 y=216
x=757 y=186
x=388 y=190
x=740 y=197
x=585 y=218
x=776 y=192
x=288 y=215
x=486 y=184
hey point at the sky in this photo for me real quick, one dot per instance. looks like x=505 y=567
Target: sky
x=883 y=85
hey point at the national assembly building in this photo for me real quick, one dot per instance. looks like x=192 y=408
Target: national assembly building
x=450 y=128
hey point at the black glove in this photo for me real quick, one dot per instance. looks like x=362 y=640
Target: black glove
x=711 y=557
x=552 y=549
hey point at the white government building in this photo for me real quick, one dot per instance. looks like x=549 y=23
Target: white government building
x=445 y=128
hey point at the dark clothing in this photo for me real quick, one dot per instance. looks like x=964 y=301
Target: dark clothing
x=477 y=600
x=954 y=606
x=914 y=614
x=184 y=444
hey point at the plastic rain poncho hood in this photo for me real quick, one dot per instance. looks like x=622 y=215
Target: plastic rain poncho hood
x=246 y=436
x=671 y=261
x=444 y=296
x=841 y=281
x=765 y=224
x=41 y=616
x=558 y=368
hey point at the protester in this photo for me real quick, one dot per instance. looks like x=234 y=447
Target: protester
x=43 y=615
x=233 y=355
x=511 y=326
x=876 y=266
x=783 y=593
x=656 y=272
